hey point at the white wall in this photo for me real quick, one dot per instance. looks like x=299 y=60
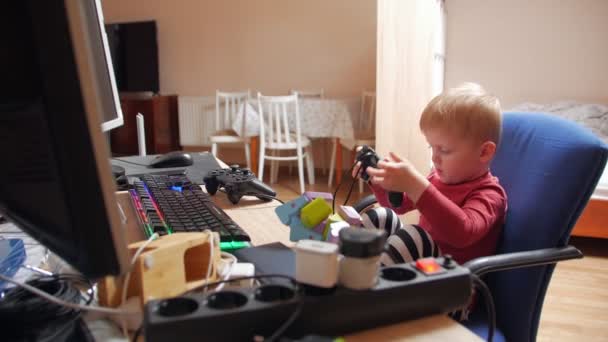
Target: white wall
x=266 y=45
x=530 y=50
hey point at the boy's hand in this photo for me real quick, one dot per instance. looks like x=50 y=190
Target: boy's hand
x=398 y=174
x=357 y=170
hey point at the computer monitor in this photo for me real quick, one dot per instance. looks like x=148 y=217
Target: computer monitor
x=55 y=178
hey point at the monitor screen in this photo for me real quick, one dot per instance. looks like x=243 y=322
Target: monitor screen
x=55 y=178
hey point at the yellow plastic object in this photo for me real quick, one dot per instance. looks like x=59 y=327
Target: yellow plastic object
x=314 y=212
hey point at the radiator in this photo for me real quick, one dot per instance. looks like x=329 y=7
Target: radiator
x=196 y=120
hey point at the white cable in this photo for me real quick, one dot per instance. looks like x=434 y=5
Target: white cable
x=233 y=261
x=59 y=301
x=125 y=284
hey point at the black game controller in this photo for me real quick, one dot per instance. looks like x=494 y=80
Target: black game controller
x=237 y=182
x=368 y=157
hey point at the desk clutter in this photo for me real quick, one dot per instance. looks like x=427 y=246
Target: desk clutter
x=168 y=266
x=337 y=273
x=402 y=292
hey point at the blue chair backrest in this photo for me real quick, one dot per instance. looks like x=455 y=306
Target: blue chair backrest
x=549 y=168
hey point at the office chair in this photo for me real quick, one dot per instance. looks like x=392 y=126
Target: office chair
x=549 y=168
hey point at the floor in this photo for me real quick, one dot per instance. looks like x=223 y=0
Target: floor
x=576 y=304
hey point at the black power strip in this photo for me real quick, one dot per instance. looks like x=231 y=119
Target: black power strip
x=402 y=293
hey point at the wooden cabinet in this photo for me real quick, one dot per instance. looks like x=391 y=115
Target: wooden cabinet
x=160 y=122
x=594 y=220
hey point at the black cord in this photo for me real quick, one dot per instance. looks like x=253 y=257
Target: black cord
x=130 y=162
x=137 y=333
x=266 y=197
x=350 y=191
x=333 y=201
x=281 y=330
x=257 y=195
x=491 y=311
x=28 y=316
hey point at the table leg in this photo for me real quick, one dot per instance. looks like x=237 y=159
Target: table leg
x=255 y=154
x=338 y=162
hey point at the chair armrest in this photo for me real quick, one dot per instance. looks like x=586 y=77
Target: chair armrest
x=508 y=261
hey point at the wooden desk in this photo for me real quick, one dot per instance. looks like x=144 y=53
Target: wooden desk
x=263 y=226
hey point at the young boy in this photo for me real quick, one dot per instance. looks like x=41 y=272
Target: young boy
x=462 y=205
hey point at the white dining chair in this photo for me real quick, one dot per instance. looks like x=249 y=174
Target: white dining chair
x=365 y=132
x=314 y=93
x=228 y=105
x=277 y=138
x=311 y=94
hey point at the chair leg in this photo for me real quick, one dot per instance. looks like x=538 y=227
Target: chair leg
x=310 y=165
x=261 y=164
x=214 y=149
x=248 y=155
x=301 y=169
x=274 y=166
x=324 y=149
x=332 y=163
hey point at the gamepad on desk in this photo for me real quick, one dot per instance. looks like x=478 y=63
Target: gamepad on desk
x=237 y=182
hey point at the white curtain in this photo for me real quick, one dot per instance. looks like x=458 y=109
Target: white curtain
x=407 y=75
x=410 y=56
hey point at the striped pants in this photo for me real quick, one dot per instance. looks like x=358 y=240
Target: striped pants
x=405 y=242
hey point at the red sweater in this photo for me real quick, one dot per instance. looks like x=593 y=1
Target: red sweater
x=464 y=220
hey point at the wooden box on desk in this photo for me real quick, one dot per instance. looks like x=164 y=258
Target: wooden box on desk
x=167 y=267
x=160 y=120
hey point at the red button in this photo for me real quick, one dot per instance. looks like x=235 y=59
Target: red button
x=428 y=266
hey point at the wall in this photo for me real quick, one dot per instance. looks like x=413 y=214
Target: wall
x=530 y=50
x=266 y=45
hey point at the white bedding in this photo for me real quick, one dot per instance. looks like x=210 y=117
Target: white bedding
x=590 y=115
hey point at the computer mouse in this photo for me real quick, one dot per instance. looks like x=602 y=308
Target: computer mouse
x=172 y=159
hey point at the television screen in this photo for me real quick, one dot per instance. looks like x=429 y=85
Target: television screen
x=134 y=51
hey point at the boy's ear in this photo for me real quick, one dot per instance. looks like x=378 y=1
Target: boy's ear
x=488 y=150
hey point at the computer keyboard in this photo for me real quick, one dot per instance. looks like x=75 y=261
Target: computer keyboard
x=168 y=204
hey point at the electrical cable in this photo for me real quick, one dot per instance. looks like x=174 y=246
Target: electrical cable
x=350 y=190
x=137 y=333
x=266 y=197
x=257 y=195
x=333 y=201
x=30 y=317
x=491 y=311
x=127 y=278
x=232 y=262
x=281 y=330
x=60 y=301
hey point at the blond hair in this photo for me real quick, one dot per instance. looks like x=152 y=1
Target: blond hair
x=468 y=110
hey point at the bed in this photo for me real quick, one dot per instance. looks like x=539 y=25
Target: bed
x=594 y=220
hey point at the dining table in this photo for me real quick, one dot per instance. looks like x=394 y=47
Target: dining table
x=319 y=118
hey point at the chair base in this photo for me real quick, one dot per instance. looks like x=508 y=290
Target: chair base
x=478 y=324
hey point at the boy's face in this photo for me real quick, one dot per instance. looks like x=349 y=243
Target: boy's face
x=455 y=158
